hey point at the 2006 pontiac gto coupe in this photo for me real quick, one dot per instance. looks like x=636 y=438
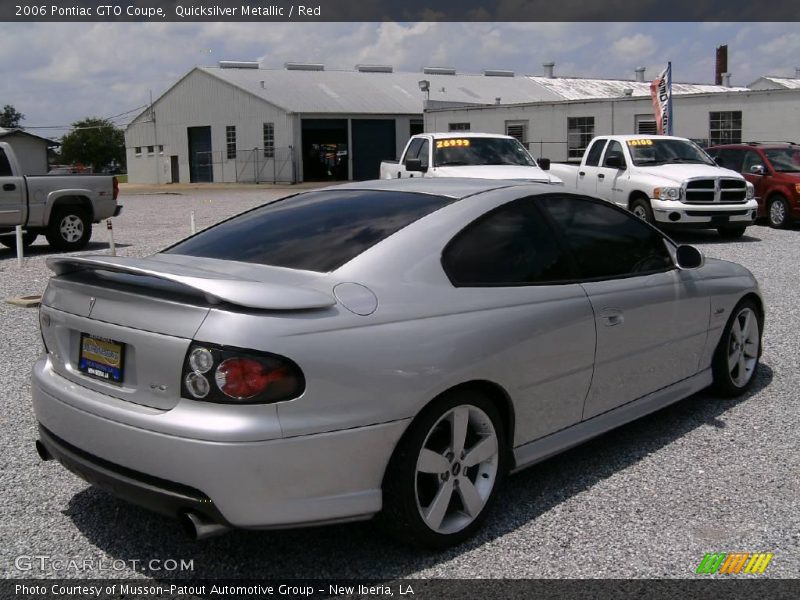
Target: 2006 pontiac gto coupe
x=388 y=348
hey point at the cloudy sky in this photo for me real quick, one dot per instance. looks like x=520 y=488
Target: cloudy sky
x=56 y=73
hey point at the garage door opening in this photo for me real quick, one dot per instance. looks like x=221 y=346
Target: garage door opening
x=325 y=152
x=201 y=168
x=373 y=141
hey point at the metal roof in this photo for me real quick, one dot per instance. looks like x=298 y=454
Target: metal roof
x=19 y=131
x=791 y=83
x=376 y=93
x=579 y=88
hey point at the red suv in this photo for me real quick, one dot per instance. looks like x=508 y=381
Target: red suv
x=774 y=169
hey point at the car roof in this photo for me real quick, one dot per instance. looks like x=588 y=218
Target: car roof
x=450 y=187
x=463 y=134
x=750 y=145
x=640 y=136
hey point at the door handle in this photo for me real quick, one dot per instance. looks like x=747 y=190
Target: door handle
x=601 y=176
x=581 y=173
x=612 y=317
x=9 y=187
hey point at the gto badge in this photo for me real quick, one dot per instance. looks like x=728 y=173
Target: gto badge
x=158 y=387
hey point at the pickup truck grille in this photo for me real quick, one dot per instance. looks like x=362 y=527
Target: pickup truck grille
x=719 y=191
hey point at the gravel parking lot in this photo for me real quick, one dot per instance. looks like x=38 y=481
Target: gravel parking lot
x=647 y=500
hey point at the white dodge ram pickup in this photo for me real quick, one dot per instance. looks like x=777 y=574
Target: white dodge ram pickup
x=665 y=180
x=62 y=207
x=462 y=154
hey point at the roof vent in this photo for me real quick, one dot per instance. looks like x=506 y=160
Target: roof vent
x=549 y=69
x=238 y=64
x=374 y=68
x=439 y=70
x=498 y=73
x=639 y=71
x=627 y=92
x=726 y=79
x=297 y=66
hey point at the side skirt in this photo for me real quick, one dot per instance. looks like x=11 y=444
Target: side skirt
x=543 y=448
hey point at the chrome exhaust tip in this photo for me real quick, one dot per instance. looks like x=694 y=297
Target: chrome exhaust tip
x=197 y=527
x=42 y=451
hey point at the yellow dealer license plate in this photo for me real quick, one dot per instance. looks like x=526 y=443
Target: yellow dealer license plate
x=102 y=358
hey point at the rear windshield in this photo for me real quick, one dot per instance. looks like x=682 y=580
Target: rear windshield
x=316 y=231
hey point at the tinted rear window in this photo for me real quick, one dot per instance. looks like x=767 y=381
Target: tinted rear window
x=317 y=231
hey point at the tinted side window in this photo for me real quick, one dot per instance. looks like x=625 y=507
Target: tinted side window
x=5 y=166
x=614 y=148
x=423 y=153
x=751 y=159
x=315 y=231
x=730 y=159
x=509 y=246
x=413 y=149
x=593 y=157
x=606 y=241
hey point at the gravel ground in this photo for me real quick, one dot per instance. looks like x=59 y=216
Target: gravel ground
x=647 y=500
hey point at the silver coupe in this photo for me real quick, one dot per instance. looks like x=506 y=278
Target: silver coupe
x=388 y=348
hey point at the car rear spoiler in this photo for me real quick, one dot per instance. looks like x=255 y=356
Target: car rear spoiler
x=217 y=287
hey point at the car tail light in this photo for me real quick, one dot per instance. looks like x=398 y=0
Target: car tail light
x=223 y=374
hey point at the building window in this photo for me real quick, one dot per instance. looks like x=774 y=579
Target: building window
x=459 y=127
x=137 y=150
x=725 y=127
x=518 y=130
x=269 y=140
x=161 y=149
x=646 y=125
x=580 y=131
x=151 y=150
x=230 y=140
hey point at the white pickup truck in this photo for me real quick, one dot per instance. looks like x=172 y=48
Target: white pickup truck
x=462 y=154
x=665 y=180
x=62 y=207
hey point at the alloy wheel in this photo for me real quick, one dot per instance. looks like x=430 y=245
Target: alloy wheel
x=71 y=228
x=743 y=347
x=456 y=469
x=777 y=212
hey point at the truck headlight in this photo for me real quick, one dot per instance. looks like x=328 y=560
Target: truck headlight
x=667 y=193
x=751 y=191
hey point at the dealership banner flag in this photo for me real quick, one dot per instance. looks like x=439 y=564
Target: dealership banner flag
x=661 y=92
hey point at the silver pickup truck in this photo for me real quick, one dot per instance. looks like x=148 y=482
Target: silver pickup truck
x=62 y=207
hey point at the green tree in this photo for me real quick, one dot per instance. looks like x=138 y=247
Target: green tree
x=94 y=142
x=10 y=117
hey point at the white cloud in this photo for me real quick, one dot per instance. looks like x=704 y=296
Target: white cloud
x=635 y=47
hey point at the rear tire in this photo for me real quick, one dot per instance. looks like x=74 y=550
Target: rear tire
x=731 y=233
x=442 y=479
x=70 y=229
x=736 y=358
x=10 y=240
x=642 y=209
x=778 y=212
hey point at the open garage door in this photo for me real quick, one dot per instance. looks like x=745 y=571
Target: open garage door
x=325 y=151
x=201 y=169
x=373 y=141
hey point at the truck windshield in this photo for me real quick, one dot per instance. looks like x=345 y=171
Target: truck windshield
x=456 y=151
x=655 y=151
x=784 y=160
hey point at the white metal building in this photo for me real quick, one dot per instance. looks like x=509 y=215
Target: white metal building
x=240 y=123
x=30 y=150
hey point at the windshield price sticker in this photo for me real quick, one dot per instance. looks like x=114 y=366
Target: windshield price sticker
x=452 y=143
x=642 y=142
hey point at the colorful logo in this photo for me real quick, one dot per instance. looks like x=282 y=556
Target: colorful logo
x=734 y=562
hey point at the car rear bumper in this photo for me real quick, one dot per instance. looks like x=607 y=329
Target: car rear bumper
x=704 y=215
x=303 y=480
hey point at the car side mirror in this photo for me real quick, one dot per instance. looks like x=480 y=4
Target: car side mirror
x=758 y=170
x=615 y=161
x=689 y=257
x=544 y=164
x=415 y=164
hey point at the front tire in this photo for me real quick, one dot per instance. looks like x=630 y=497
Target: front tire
x=70 y=229
x=443 y=477
x=736 y=358
x=731 y=233
x=778 y=212
x=642 y=209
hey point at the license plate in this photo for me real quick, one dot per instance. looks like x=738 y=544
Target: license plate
x=102 y=358
x=719 y=219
